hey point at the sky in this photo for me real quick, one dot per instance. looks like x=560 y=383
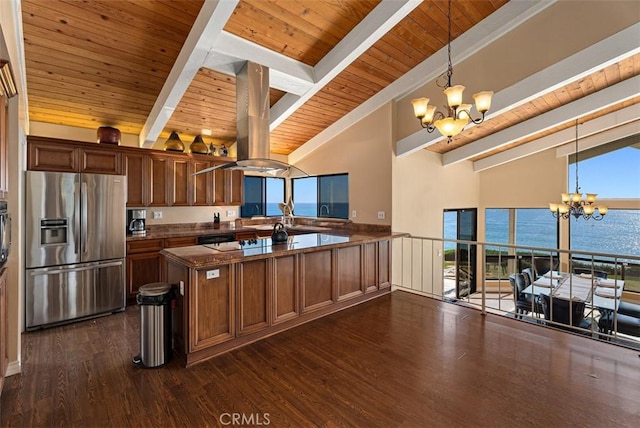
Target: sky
x=612 y=175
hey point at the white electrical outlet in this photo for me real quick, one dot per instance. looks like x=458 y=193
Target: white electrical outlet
x=353 y=214
x=380 y=215
x=211 y=274
x=231 y=213
x=157 y=214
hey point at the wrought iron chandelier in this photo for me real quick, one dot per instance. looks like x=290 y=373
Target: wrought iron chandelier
x=574 y=205
x=458 y=114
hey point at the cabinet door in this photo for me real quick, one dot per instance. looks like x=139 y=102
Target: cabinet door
x=254 y=298
x=42 y=156
x=179 y=182
x=159 y=180
x=235 y=188
x=370 y=267
x=202 y=184
x=219 y=187
x=101 y=161
x=228 y=187
x=317 y=280
x=349 y=274
x=384 y=264
x=211 y=309
x=136 y=170
x=182 y=241
x=143 y=268
x=285 y=288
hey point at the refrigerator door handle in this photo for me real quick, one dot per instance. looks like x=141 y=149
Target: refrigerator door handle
x=83 y=232
x=76 y=217
x=36 y=272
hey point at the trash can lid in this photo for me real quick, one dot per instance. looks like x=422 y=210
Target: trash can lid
x=154 y=289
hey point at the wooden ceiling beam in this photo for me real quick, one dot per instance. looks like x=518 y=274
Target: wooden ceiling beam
x=613 y=94
x=206 y=28
x=589 y=130
x=374 y=26
x=485 y=32
x=606 y=52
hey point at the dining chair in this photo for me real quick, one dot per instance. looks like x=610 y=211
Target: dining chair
x=544 y=264
x=523 y=302
x=568 y=312
x=529 y=276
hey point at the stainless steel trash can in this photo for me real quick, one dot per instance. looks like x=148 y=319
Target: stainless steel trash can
x=155 y=324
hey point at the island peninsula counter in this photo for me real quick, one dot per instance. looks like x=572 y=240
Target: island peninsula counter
x=231 y=295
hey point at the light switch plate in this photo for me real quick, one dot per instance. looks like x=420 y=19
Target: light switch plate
x=353 y=214
x=215 y=273
x=157 y=214
x=231 y=213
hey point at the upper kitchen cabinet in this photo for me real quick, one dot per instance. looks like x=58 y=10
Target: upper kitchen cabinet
x=48 y=154
x=154 y=178
x=202 y=184
x=228 y=187
x=4 y=166
x=136 y=168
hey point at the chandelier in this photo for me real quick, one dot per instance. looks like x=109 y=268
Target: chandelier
x=574 y=205
x=458 y=114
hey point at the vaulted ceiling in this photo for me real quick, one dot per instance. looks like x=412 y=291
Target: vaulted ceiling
x=151 y=67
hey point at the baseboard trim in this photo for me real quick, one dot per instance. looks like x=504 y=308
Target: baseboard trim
x=13 y=368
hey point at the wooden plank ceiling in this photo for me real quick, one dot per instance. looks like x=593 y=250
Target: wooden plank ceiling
x=104 y=62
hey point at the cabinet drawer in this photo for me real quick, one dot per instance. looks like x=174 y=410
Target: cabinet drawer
x=183 y=241
x=144 y=246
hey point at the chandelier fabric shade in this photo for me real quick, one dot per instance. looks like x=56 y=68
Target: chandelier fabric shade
x=574 y=205
x=458 y=114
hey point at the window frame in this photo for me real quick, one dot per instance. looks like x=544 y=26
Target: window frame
x=319 y=201
x=263 y=196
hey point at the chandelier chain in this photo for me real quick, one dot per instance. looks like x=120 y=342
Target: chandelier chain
x=449 y=64
x=577 y=163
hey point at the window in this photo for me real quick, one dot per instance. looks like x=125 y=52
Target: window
x=530 y=227
x=321 y=196
x=534 y=227
x=261 y=196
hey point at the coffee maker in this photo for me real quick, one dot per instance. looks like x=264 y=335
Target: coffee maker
x=136 y=222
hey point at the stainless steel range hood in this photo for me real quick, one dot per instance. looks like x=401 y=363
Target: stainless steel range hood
x=252 y=115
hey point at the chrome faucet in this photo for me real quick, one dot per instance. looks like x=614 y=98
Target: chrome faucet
x=324 y=206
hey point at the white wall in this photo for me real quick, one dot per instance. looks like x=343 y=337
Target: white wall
x=365 y=152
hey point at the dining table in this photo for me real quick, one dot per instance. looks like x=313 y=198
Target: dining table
x=601 y=293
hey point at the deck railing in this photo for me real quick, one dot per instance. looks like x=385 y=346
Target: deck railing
x=434 y=267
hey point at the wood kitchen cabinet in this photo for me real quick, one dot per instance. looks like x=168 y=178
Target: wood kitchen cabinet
x=202 y=187
x=158 y=180
x=213 y=301
x=228 y=187
x=43 y=154
x=145 y=264
x=317 y=280
x=180 y=182
x=349 y=274
x=154 y=178
x=254 y=296
x=136 y=169
x=285 y=289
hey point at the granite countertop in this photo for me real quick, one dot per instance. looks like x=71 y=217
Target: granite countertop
x=203 y=256
x=176 y=231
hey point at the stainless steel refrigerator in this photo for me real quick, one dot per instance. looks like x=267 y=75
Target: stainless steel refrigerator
x=75 y=246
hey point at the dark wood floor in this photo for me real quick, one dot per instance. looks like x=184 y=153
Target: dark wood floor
x=398 y=361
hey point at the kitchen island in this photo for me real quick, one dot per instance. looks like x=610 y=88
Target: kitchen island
x=235 y=293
